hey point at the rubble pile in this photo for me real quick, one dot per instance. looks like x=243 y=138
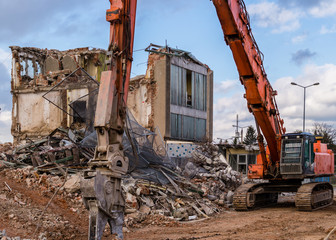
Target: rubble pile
x=40 y=205
x=211 y=172
x=59 y=148
x=3 y=236
x=156 y=191
x=152 y=203
x=6 y=155
x=203 y=188
x=47 y=184
x=207 y=188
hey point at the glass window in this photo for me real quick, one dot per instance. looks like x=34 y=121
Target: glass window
x=173 y=84
x=188 y=127
x=185 y=127
x=205 y=92
x=242 y=159
x=240 y=162
x=200 y=129
x=197 y=90
x=175 y=125
x=187 y=88
x=233 y=161
x=291 y=151
x=183 y=92
x=79 y=111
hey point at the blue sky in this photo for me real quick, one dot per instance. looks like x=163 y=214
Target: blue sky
x=297 y=38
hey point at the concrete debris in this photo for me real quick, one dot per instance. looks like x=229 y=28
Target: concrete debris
x=206 y=187
x=3 y=236
x=141 y=196
x=208 y=163
x=73 y=184
x=47 y=154
x=23 y=206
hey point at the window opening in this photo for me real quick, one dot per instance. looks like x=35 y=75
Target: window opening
x=79 y=111
x=189 y=92
x=187 y=88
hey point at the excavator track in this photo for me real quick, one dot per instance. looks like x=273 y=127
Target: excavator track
x=314 y=196
x=249 y=196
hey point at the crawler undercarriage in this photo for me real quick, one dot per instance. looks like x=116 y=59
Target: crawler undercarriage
x=309 y=196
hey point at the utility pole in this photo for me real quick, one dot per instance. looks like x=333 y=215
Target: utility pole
x=237 y=135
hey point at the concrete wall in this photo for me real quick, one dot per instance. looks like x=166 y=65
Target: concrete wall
x=33 y=116
x=36 y=72
x=161 y=102
x=139 y=103
x=209 y=127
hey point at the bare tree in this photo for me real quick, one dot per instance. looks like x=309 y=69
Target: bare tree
x=328 y=134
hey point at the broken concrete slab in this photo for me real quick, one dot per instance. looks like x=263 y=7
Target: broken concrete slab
x=73 y=184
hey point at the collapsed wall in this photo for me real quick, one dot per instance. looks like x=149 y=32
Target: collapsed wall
x=46 y=85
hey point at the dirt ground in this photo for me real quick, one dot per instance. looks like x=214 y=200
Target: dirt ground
x=281 y=222
x=22 y=212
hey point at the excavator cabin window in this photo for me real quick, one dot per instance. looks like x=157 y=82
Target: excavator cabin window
x=297 y=149
x=292 y=150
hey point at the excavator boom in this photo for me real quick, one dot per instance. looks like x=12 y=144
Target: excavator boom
x=234 y=20
x=289 y=158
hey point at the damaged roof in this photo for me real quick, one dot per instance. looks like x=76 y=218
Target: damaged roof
x=166 y=50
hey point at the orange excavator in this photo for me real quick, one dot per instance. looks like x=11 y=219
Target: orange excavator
x=286 y=161
x=289 y=158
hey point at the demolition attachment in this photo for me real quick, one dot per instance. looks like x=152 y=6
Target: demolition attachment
x=101 y=186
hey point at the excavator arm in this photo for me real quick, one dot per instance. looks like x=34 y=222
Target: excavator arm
x=260 y=95
x=101 y=186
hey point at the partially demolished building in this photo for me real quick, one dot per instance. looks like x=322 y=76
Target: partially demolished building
x=53 y=89
x=57 y=89
x=175 y=96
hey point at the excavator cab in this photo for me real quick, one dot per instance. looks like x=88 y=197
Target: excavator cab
x=297 y=155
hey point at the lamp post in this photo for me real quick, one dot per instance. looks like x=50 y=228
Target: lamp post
x=304 y=99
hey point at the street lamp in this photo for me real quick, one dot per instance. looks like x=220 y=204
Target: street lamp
x=304 y=99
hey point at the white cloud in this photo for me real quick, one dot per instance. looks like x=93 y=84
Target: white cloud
x=225 y=86
x=326 y=30
x=270 y=14
x=225 y=112
x=5 y=58
x=320 y=100
x=299 y=38
x=324 y=9
x=5 y=126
